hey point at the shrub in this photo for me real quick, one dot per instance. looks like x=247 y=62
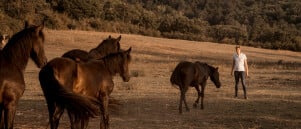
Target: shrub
x=79 y=9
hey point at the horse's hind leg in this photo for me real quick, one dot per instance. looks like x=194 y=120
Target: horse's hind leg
x=183 y=98
x=1 y=116
x=187 y=109
x=199 y=95
x=77 y=124
x=55 y=114
x=9 y=114
x=74 y=124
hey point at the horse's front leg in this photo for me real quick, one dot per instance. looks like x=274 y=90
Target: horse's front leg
x=104 y=108
x=199 y=95
x=203 y=95
x=9 y=115
x=1 y=116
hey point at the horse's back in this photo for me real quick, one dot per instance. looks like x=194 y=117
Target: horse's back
x=92 y=76
x=77 y=55
x=61 y=69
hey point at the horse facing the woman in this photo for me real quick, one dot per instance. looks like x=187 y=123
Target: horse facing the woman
x=193 y=74
x=90 y=80
x=28 y=43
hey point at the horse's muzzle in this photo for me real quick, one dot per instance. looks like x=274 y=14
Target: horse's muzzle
x=44 y=62
x=126 y=79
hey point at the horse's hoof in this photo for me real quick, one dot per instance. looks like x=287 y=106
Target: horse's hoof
x=195 y=105
x=188 y=110
x=180 y=110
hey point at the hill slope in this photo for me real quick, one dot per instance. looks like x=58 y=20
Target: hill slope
x=149 y=101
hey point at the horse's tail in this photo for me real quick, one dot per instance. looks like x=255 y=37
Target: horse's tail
x=79 y=107
x=174 y=78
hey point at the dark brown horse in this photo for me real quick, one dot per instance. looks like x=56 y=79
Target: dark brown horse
x=28 y=43
x=91 y=79
x=107 y=46
x=193 y=74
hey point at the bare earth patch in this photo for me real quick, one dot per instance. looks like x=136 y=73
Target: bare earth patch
x=148 y=101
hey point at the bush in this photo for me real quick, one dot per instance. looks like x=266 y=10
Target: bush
x=79 y=9
x=268 y=24
x=234 y=34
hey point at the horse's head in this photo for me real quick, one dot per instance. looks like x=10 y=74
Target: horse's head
x=214 y=77
x=37 y=39
x=124 y=68
x=112 y=45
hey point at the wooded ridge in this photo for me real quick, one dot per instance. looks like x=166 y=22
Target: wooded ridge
x=273 y=24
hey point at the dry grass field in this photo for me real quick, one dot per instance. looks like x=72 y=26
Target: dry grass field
x=148 y=101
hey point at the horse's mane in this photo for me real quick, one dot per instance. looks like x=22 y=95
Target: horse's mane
x=18 y=47
x=103 y=43
x=211 y=68
x=102 y=47
x=112 y=61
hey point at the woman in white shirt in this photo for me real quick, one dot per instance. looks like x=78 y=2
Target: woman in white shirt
x=240 y=68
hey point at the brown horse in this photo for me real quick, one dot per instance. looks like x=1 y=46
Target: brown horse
x=193 y=74
x=91 y=79
x=107 y=46
x=28 y=43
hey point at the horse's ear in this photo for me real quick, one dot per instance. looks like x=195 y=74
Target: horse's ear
x=26 y=24
x=129 y=50
x=119 y=38
x=7 y=37
x=39 y=28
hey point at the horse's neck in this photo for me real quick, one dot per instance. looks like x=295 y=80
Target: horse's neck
x=210 y=70
x=112 y=65
x=96 y=53
x=202 y=68
x=19 y=60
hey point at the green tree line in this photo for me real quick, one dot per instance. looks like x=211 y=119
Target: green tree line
x=273 y=24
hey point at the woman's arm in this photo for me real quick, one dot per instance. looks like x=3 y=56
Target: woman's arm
x=233 y=63
x=246 y=67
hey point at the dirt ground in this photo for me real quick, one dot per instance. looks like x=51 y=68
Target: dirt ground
x=148 y=101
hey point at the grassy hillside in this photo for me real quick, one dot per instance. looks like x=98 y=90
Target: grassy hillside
x=149 y=101
x=260 y=23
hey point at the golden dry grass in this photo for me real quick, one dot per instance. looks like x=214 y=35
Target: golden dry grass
x=148 y=101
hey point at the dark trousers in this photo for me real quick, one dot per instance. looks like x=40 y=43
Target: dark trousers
x=240 y=75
